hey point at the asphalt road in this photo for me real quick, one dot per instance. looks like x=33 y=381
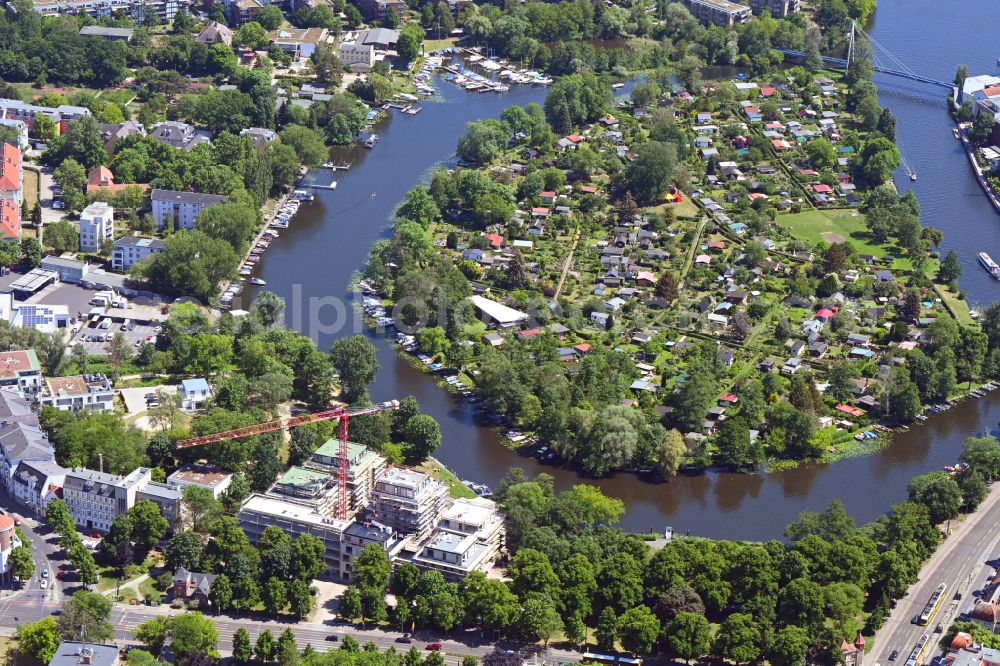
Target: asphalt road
x=960 y=563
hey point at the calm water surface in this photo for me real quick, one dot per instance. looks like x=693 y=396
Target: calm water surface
x=330 y=239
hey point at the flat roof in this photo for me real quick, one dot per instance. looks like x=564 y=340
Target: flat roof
x=72 y=653
x=302 y=477
x=475 y=511
x=400 y=476
x=140 y=242
x=67 y=386
x=101 y=31
x=278 y=508
x=186 y=197
x=13 y=363
x=200 y=475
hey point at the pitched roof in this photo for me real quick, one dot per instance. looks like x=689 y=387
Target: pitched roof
x=10 y=219
x=10 y=167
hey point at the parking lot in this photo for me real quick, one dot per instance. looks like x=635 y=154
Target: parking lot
x=135 y=398
x=92 y=336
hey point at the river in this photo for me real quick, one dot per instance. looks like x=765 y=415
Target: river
x=330 y=238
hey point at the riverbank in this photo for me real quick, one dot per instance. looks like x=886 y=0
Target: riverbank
x=991 y=195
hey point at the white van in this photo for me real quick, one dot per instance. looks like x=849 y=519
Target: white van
x=106 y=323
x=127 y=325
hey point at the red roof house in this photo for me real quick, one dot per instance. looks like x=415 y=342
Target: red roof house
x=822 y=188
x=10 y=219
x=496 y=241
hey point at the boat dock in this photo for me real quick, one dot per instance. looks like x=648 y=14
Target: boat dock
x=331 y=186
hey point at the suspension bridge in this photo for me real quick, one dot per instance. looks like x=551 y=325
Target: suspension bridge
x=892 y=65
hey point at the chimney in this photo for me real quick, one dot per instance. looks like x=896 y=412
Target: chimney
x=100 y=462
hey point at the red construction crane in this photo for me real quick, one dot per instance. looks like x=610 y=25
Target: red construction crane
x=343 y=414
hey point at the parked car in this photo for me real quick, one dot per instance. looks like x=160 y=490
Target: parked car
x=60 y=574
x=58 y=204
x=435 y=647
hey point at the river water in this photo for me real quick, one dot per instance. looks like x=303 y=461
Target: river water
x=312 y=263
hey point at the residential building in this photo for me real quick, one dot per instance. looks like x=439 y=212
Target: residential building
x=165 y=497
x=407 y=501
x=239 y=12
x=260 y=136
x=138 y=10
x=72 y=271
x=194 y=393
x=215 y=33
x=364 y=466
x=468 y=538
x=62 y=116
x=130 y=250
x=309 y=487
x=95 y=499
x=190 y=586
x=215 y=479
x=21 y=437
x=8 y=541
x=342 y=539
x=977 y=89
x=21 y=369
x=11 y=174
x=112 y=133
x=97 y=225
x=78 y=393
x=179 y=135
x=718 y=12
x=42 y=318
x=299 y=43
x=778 y=8
x=37 y=482
x=965 y=651
x=72 y=653
x=361 y=49
x=10 y=220
x=20 y=127
x=110 y=34
x=376 y=10
x=181 y=207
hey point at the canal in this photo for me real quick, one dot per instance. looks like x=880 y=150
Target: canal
x=311 y=265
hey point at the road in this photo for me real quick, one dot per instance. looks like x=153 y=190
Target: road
x=24 y=608
x=960 y=563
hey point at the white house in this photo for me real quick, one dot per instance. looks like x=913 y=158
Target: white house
x=130 y=250
x=77 y=393
x=194 y=393
x=97 y=224
x=180 y=207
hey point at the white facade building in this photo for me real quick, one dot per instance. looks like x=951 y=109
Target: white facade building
x=97 y=224
x=95 y=499
x=78 y=393
x=181 y=207
x=130 y=250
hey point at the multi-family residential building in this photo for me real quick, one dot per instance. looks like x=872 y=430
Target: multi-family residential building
x=342 y=539
x=215 y=479
x=21 y=370
x=138 y=10
x=20 y=127
x=10 y=220
x=311 y=488
x=62 y=116
x=239 y=12
x=215 y=33
x=778 y=8
x=364 y=465
x=8 y=541
x=166 y=497
x=468 y=538
x=130 y=250
x=71 y=653
x=181 y=208
x=361 y=49
x=37 y=482
x=406 y=500
x=718 y=12
x=11 y=173
x=97 y=224
x=21 y=437
x=95 y=499
x=299 y=43
x=177 y=134
x=376 y=10
x=78 y=393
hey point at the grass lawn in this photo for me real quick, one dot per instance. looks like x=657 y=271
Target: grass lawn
x=959 y=309
x=455 y=487
x=831 y=226
x=30 y=189
x=435 y=44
